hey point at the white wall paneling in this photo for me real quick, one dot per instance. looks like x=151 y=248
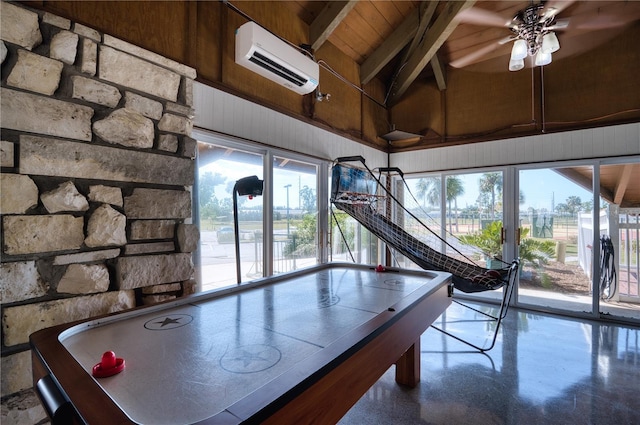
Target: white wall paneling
x=223 y=113
x=602 y=142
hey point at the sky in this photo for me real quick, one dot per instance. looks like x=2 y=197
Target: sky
x=281 y=178
x=542 y=188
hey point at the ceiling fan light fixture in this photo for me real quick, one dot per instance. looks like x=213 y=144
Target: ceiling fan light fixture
x=516 y=64
x=542 y=58
x=519 y=50
x=550 y=43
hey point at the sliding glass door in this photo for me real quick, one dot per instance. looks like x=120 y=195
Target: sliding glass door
x=463 y=209
x=619 y=259
x=474 y=213
x=556 y=237
x=579 y=251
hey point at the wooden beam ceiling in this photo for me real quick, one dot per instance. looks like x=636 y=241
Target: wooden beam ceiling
x=327 y=21
x=425 y=19
x=389 y=48
x=435 y=37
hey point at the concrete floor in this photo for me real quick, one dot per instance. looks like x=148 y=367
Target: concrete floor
x=543 y=370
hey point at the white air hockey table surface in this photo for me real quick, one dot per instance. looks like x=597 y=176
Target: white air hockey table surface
x=276 y=349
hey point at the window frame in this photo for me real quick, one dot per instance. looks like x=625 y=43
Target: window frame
x=268 y=153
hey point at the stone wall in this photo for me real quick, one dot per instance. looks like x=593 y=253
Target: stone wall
x=97 y=171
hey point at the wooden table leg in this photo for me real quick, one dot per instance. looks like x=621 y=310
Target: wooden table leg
x=408 y=366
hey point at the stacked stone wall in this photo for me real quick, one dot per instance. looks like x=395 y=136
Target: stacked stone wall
x=97 y=171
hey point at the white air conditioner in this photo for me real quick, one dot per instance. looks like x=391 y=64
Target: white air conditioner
x=264 y=53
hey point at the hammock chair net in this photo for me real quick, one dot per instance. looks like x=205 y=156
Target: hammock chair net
x=407 y=228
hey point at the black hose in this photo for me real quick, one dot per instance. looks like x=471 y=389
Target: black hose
x=608 y=278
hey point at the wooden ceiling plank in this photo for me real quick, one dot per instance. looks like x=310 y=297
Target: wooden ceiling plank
x=376 y=20
x=330 y=17
x=623 y=182
x=351 y=37
x=390 y=11
x=436 y=36
x=345 y=47
x=356 y=21
x=389 y=48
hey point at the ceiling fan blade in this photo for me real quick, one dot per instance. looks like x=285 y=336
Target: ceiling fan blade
x=559 y=24
x=478 y=16
x=601 y=22
x=476 y=55
x=607 y=15
x=506 y=39
x=554 y=7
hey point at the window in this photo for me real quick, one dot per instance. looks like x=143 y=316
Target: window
x=567 y=232
x=219 y=167
x=352 y=242
x=546 y=213
x=295 y=214
x=277 y=232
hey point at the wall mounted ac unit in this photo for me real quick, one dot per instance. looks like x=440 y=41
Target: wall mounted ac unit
x=264 y=53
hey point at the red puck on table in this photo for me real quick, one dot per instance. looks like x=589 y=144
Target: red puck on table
x=108 y=366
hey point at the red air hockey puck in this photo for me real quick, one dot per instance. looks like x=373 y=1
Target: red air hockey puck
x=108 y=366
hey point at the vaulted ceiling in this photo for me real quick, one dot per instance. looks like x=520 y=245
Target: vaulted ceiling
x=401 y=41
x=398 y=41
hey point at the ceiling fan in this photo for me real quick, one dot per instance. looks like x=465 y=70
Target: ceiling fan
x=534 y=35
x=533 y=29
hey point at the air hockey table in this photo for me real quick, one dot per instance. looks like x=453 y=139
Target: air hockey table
x=296 y=348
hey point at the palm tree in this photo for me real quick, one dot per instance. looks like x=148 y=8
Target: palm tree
x=491 y=183
x=422 y=187
x=455 y=188
x=428 y=189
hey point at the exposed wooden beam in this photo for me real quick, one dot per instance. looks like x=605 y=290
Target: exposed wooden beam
x=623 y=182
x=439 y=72
x=426 y=13
x=389 y=48
x=328 y=20
x=436 y=36
x=425 y=18
x=412 y=28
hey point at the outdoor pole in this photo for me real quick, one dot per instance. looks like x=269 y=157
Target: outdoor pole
x=287 y=187
x=251 y=186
